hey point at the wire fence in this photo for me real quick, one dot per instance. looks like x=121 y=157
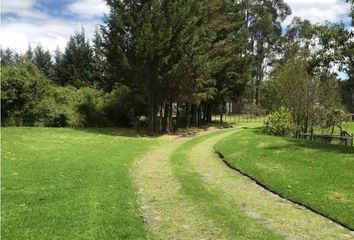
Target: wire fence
x=345 y=139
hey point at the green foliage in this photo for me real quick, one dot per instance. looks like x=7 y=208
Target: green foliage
x=58 y=108
x=122 y=106
x=88 y=104
x=279 y=123
x=75 y=66
x=42 y=60
x=195 y=55
x=22 y=88
x=293 y=87
x=52 y=114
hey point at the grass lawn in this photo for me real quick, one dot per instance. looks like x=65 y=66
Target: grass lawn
x=319 y=176
x=70 y=184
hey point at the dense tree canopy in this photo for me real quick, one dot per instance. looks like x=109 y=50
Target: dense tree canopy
x=175 y=63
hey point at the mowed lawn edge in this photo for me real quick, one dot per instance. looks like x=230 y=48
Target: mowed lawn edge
x=70 y=183
x=318 y=176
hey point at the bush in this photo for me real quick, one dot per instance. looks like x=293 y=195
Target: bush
x=57 y=109
x=22 y=88
x=279 y=123
x=122 y=106
x=89 y=104
x=51 y=114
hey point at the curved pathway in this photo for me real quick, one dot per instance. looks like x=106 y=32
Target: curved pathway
x=231 y=206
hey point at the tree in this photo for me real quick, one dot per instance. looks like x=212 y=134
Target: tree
x=264 y=18
x=297 y=41
x=224 y=25
x=336 y=50
x=156 y=49
x=76 y=63
x=29 y=53
x=7 y=57
x=295 y=88
x=43 y=60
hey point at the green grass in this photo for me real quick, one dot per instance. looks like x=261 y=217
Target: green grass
x=70 y=184
x=233 y=220
x=317 y=175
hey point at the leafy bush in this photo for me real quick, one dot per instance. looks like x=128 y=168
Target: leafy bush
x=279 y=123
x=22 y=88
x=122 y=106
x=89 y=104
x=57 y=109
x=29 y=99
x=51 y=114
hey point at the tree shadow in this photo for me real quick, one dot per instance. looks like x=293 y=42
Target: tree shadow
x=293 y=143
x=112 y=131
x=133 y=133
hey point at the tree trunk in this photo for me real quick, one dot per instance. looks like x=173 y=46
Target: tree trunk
x=188 y=120
x=258 y=91
x=166 y=118
x=178 y=116
x=170 y=119
x=199 y=119
x=208 y=113
x=151 y=120
x=161 y=118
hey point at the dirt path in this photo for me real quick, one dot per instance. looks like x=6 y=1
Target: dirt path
x=170 y=214
x=167 y=213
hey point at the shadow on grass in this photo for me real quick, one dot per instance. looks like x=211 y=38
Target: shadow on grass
x=293 y=143
x=122 y=132
x=132 y=133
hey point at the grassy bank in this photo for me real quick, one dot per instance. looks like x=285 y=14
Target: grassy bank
x=319 y=176
x=70 y=184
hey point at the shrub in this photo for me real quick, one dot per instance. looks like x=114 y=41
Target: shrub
x=279 y=123
x=22 y=88
x=51 y=114
x=122 y=106
x=89 y=104
x=57 y=109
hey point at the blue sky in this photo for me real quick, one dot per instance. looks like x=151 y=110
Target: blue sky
x=51 y=22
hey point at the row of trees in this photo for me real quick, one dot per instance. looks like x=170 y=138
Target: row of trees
x=181 y=61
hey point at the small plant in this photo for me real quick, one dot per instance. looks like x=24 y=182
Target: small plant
x=279 y=123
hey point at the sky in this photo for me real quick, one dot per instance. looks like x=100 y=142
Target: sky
x=51 y=22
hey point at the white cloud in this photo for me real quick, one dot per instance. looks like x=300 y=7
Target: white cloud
x=88 y=8
x=31 y=26
x=51 y=34
x=319 y=11
x=22 y=9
